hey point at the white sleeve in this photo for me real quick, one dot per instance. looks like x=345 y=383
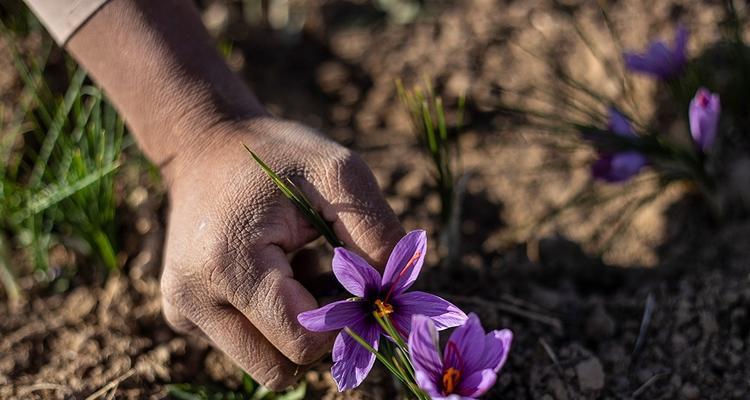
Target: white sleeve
x=63 y=17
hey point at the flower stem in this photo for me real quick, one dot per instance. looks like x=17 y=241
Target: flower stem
x=398 y=365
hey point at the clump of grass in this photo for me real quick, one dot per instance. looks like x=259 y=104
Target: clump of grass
x=58 y=155
x=427 y=114
x=250 y=390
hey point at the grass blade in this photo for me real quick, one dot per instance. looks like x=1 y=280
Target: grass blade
x=295 y=195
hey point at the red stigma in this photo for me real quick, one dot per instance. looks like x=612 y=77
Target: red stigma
x=703 y=99
x=406 y=268
x=452 y=350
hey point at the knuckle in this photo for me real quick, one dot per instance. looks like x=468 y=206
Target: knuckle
x=350 y=165
x=277 y=379
x=187 y=292
x=250 y=287
x=306 y=348
x=176 y=320
x=174 y=288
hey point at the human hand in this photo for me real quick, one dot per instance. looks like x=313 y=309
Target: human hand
x=226 y=273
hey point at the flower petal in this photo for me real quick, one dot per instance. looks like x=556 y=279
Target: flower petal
x=652 y=62
x=618 y=167
x=627 y=164
x=496 y=349
x=443 y=313
x=423 y=351
x=405 y=262
x=619 y=124
x=354 y=273
x=680 y=45
x=428 y=384
x=333 y=316
x=451 y=397
x=463 y=350
x=704 y=112
x=477 y=384
x=659 y=59
x=351 y=361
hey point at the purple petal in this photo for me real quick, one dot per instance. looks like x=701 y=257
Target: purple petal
x=659 y=60
x=405 y=262
x=333 y=316
x=452 y=397
x=464 y=350
x=351 y=361
x=618 y=167
x=704 y=112
x=423 y=351
x=619 y=124
x=429 y=384
x=680 y=46
x=354 y=273
x=627 y=164
x=443 y=313
x=496 y=349
x=650 y=63
x=477 y=384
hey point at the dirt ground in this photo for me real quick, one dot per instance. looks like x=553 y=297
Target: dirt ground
x=673 y=278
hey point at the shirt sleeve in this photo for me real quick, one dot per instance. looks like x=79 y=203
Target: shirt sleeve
x=63 y=17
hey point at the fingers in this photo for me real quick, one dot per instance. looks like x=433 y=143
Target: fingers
x=363 y=220
x=273 y=303
x=229 y=330
x=248 y=347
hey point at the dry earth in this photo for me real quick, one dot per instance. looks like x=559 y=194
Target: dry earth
x=576 y=311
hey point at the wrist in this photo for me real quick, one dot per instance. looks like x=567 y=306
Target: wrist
x=161 y=70
x=200 y=140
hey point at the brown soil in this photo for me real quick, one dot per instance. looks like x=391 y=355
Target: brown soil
x=577 y=308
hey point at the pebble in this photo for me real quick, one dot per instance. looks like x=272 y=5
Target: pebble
x=590 y=374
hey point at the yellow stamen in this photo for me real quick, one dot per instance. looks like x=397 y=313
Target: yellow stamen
x=451 y=377
x=383 y=309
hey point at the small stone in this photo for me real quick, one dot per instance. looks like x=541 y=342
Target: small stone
x=590 y=374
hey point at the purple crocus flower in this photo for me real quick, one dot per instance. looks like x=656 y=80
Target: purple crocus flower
x=659 y=60
x=384 y=296
x=618 y=166
x=704 y=118
x=467 y=369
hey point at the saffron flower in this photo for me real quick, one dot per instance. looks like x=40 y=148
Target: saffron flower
x=469 y=365
x=385 y=297
x=704 y=112
x=623 y=165
x=659 y=60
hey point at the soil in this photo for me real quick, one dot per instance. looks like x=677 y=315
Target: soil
x=661 y=312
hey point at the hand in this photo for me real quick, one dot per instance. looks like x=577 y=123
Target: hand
x=226 y=274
